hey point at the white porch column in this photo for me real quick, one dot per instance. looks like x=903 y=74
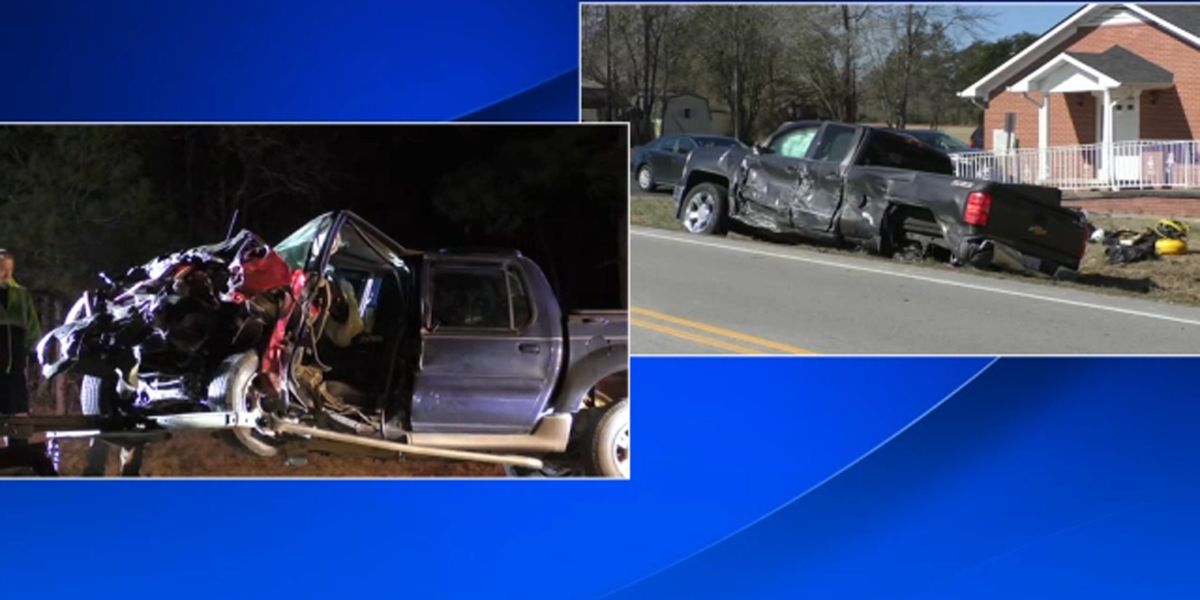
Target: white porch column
x=1044 y=138
x=1107 y=140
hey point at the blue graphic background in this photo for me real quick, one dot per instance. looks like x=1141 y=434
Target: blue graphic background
x=813 y=477
x=753 y=478
x=259 y=60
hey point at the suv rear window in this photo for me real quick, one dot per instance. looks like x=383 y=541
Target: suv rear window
x=470 y=298
x=716 y=142
x=480 y=298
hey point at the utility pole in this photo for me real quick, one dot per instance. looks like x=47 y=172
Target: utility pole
x=737 y=69
x=608 y=81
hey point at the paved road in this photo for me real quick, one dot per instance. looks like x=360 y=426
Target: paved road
x=693 y=294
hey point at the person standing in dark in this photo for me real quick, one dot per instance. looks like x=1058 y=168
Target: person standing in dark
x=19 y=332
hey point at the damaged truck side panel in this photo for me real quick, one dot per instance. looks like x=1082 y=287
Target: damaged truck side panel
x=848 y=184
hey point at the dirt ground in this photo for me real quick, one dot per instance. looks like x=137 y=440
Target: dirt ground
x=1174 y=279
x=199 y=454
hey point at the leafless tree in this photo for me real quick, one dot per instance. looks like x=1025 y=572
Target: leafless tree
x=740 y=57
x=906 y=45
x=627 y=50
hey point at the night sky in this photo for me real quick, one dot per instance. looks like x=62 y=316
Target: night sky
x=557 y=193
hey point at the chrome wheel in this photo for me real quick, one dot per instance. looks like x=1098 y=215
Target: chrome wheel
x=620 y=451
x=699 y=212
x=644 y=179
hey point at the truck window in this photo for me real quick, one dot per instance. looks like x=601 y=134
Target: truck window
x=885 y=149
x=685 y=145
x=473 y=298
x=716 y=142
x=794 y=143
x=835 y=145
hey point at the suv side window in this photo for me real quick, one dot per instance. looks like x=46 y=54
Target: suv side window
x=471 y=298
x=480 y=297
x=794 y=143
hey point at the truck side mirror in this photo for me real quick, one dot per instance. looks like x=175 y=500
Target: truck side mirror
x=761 y=149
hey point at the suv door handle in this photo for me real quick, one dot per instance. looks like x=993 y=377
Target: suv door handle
x=529 y=348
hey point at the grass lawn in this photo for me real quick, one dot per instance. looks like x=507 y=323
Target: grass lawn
x=1173 y=279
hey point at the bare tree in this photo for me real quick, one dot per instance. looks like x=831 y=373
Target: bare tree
x=740 y=57
x=906 y=48
x=626 y=49
x=824 y=55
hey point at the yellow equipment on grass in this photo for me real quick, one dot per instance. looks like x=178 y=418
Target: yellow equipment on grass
x=1169 y=246
x=1171 y=228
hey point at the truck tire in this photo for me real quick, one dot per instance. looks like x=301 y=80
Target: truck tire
x=232 y=389
x=645 y=178
x=704 y=209
x=606 y=449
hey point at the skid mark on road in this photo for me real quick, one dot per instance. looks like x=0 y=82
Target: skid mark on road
x=751 y=344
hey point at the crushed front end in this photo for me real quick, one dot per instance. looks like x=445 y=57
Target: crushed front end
x=161 y=330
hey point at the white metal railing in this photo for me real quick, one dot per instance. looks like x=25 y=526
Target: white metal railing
x=1169 y=164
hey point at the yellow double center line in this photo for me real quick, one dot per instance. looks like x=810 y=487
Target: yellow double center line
x=653 y=320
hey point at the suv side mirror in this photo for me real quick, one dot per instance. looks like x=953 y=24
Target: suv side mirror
x=761 y=149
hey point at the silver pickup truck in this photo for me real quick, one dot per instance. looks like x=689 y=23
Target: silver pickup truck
x=849 y=184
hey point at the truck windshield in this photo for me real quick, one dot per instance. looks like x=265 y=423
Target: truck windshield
x=297 y=248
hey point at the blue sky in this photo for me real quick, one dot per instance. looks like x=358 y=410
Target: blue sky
x=1015 y=18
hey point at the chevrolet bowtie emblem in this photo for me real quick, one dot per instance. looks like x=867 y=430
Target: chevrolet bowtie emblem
x=1037 y=230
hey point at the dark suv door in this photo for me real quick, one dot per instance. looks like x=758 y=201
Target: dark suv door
x=660 y=155
x=673 y=168
x=489 y=353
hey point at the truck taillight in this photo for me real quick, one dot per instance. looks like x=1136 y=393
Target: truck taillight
x=979 y=204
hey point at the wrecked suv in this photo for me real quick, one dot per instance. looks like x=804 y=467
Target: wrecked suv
x=882 y=191
x=338 y=337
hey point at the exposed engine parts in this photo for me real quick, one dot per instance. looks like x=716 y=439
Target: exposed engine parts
x=176 y=316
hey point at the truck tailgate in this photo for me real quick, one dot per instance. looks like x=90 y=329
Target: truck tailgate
x=1031 y=219
x=1042 y=195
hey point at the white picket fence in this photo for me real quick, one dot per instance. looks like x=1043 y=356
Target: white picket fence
x=1138 y=164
